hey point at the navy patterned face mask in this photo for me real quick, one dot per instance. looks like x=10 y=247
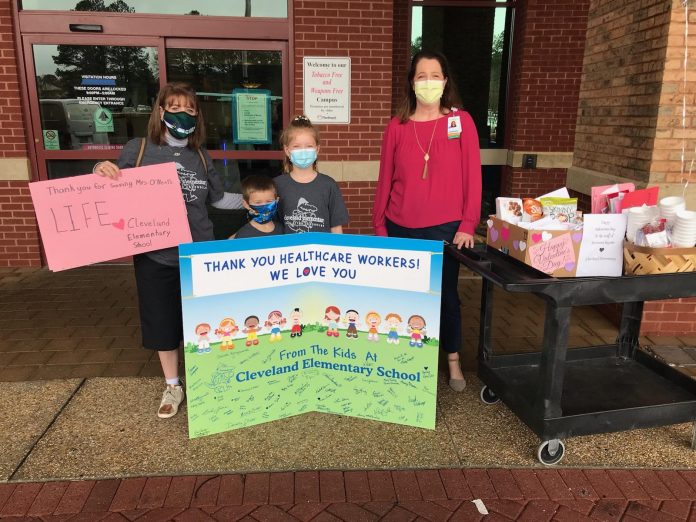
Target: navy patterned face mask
x=263 y=213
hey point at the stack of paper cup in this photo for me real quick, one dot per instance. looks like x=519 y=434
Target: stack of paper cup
x=669 y=207
x=684 y=229
x=636 y=219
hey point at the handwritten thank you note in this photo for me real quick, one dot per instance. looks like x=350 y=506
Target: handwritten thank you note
x=88 y=219
x=601 y=250
x=553 y=254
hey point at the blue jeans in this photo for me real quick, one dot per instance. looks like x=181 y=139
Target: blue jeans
x=450 y=314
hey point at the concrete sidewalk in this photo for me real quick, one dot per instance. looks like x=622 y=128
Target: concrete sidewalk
x=79 y=396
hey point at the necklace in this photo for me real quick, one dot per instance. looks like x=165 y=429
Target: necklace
x=426 y=154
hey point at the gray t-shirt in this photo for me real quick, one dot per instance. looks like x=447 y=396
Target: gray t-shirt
x=310 y=207
x=197 y=187
x=249 y=230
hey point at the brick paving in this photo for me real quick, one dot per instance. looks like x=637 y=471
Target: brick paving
x=404 y=495
x=84 y=323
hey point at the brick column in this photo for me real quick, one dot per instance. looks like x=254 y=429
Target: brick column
x=548 y=45
x=630 y=115
x=362 y=30
x=401 y=53
x=19 y=239
x=619 y=99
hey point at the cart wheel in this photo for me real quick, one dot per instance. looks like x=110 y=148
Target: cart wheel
x=487 y=396
x=551 y=452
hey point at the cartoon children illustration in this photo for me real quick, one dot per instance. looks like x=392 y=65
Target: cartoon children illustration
x=251 y=328
x=331 y=318
x=225 y=331
x=202 y=330
x=352 y=318
x=393 y=321
x=274 y=322
x=372 y=320
x=416 y=327
x=296 y=320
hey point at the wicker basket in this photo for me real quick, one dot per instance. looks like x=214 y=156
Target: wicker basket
x=640 y=260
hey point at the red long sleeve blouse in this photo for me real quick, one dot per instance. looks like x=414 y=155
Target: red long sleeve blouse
x=451 y=190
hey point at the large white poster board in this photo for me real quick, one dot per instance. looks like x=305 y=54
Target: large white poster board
x=327 y=89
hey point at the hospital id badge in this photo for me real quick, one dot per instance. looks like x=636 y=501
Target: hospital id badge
x=454 y=127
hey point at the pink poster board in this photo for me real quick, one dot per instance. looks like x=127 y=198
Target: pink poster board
x=88 y=219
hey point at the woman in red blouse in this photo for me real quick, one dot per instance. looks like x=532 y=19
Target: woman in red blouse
x=430 y=182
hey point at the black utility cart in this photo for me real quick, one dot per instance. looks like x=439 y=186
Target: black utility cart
x=596 y=389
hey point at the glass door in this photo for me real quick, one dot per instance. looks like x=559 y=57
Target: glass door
x=243 y=91
x=88 y=97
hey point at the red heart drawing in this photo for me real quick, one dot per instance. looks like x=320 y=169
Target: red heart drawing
x=119 y=224
x=505 y=232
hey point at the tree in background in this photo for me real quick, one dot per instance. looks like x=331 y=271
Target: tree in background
x=130 y=65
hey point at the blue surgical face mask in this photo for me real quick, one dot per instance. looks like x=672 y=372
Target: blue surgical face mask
x=263 y=213
x=303 y=158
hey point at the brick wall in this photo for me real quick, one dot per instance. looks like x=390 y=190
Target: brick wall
x=530 y=183
x=620 y=95
x=359 y=197
x=673 y=317
x=678 y=316
x=401 y=53
x=19 y=238
x=548 y=46
x=629 y=117
x=361 y=30
x=12 y=140
x=676 y=86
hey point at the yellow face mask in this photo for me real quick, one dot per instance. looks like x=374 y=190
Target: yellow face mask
x=429 y=91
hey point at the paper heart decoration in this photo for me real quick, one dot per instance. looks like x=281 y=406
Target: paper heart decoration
x=119 y=224
x=523 y=246
x=545 y=236
x=489 y=223
x=494 y=234
x=577 y=237
x=569 y=266
x=505 y=232
x=516 y=245
x=536 y=237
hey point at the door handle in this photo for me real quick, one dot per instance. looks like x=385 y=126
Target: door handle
x=86 y=28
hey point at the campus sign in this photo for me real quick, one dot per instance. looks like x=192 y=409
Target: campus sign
x=284 y=325
x=327 y=89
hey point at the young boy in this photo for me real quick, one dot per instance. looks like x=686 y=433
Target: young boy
x=261 y=200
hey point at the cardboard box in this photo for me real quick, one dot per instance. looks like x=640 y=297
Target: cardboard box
x=554 y=252
x=594 y=251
